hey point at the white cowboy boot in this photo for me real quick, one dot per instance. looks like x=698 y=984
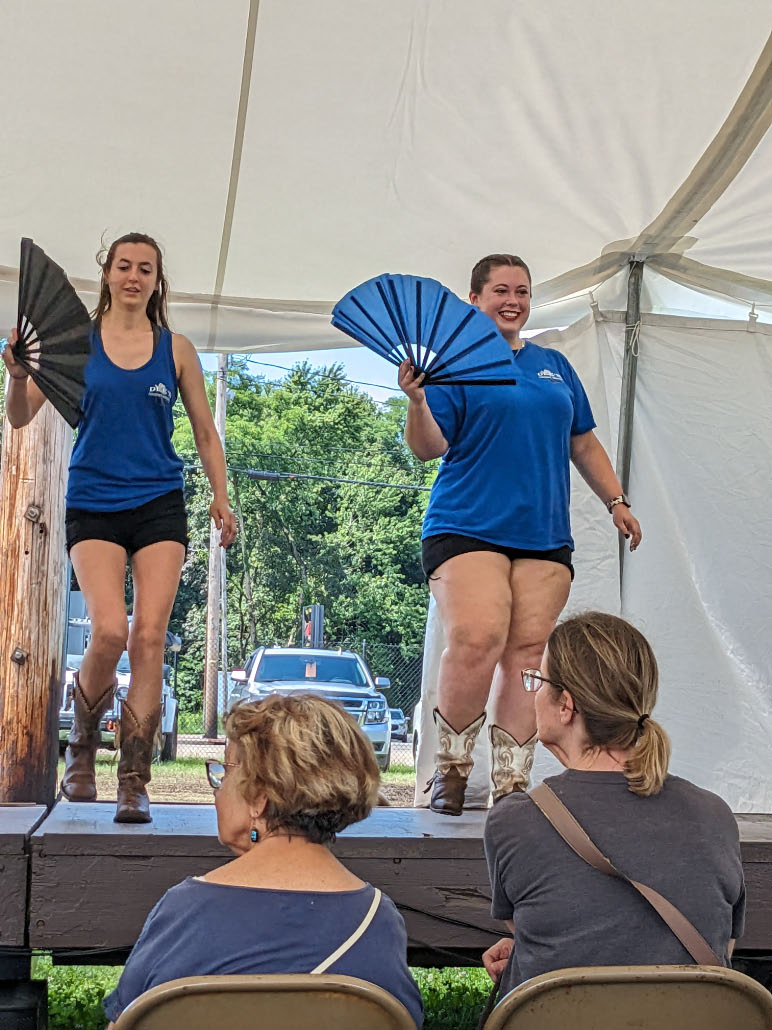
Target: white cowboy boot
x=454 y=763
x=510 y=762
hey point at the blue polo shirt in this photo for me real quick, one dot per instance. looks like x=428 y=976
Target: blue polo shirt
x=505 y=477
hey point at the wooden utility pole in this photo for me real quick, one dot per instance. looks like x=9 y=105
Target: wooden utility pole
x=33 y=604
x=214 y=580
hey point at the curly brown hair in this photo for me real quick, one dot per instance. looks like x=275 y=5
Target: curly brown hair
x=309 y=759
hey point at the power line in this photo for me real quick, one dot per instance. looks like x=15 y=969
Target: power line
x=326 y=375
x=277 y=476
x=270 y=476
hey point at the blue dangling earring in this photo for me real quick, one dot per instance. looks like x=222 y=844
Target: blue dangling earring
x=253 y=836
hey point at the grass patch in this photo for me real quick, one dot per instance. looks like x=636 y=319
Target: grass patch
x=453 y=998
x=193 y=722
x=75 y=993
x=399 y=776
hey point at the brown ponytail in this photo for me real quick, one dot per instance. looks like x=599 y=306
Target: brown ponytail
x=610 y=670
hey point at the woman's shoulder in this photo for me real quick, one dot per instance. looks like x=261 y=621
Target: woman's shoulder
x=511 y=816
x=699 y=799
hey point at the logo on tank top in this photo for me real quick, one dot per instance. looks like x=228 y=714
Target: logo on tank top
x=161 y=391
x=547 y=373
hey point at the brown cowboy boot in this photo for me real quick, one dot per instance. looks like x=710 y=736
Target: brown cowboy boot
x=454 y=763
x=79 y=782
x=510 y=762
x=136 y=740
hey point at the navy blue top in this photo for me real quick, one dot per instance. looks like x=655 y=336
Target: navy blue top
x=202 y=929
x=123 y=455
x=505 y=477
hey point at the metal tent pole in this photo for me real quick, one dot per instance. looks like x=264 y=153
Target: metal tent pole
x=629 y=375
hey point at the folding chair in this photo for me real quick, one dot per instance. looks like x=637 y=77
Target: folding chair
x=636 y=998
x=281 y=1002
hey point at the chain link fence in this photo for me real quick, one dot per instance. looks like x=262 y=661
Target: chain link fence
x=402 y=667
x=395 y=662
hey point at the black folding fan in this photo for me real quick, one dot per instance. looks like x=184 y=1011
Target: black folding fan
x=406 y=316
x=53 y=326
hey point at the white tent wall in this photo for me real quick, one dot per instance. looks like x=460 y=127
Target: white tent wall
x=699 y=587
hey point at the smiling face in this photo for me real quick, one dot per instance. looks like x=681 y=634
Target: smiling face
x=506 y=298
x=132 y=275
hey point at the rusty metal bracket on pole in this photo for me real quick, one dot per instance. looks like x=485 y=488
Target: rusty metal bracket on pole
x=629 y=376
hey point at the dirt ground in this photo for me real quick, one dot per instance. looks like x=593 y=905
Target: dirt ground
x=185 y=782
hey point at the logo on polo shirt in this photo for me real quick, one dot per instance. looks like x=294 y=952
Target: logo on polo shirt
x=547 y=373
x=161 y=391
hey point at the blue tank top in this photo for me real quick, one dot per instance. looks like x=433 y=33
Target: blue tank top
x=123 y=455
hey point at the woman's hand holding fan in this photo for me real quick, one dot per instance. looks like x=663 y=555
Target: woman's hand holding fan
x=15 y=370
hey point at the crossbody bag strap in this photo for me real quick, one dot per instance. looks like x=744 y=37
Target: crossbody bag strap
x=351 y=941
x=553 y=809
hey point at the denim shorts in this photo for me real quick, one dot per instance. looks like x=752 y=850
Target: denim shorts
x=440 y=547
x=163 y=518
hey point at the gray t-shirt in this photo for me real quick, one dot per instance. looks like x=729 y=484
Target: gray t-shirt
x=683 y=842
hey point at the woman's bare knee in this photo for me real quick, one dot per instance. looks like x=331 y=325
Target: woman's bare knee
x=146 y=639
x=476 y=642
x=108 y=639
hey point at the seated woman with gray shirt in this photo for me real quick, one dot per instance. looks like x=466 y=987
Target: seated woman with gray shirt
x=297 y=770
x=596 y=690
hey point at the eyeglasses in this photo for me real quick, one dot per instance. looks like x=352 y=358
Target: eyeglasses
x=215 y=772
x=533 y=679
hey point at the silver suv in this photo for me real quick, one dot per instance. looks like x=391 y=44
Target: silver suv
x=341 y=676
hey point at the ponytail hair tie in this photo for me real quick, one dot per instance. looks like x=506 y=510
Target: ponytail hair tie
x=641 y=721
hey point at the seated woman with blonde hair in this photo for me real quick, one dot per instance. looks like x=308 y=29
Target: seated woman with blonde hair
x=297 y=770
x=596 y=691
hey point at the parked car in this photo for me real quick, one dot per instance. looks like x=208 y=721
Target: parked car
x=398 y=725
x=168 y=748
x=341 y=676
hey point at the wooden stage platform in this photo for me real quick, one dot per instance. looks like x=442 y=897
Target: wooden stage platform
x=78 y=884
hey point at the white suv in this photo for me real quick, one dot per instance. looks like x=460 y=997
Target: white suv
x=341 y=676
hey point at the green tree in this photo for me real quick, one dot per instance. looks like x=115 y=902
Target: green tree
x=355 y=549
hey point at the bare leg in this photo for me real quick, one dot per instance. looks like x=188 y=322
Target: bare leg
x=474 y=597
x=100 y=567
x=156 y=570
x=539 y=593
x=101 y=570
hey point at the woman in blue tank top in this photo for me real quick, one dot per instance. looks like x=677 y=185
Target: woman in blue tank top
x=497 y=541
x=125 y=503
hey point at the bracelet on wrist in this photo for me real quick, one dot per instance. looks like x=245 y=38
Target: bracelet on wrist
x=621 y=499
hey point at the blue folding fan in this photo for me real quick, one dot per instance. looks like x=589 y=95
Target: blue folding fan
x=407 y=317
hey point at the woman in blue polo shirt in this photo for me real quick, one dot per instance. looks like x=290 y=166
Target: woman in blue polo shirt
x=125 y=504
x=496 y=541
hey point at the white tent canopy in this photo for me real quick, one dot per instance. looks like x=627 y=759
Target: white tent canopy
x=284 y=150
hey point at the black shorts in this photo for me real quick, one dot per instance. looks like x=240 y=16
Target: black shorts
x=439 y=548
x=163 y=518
